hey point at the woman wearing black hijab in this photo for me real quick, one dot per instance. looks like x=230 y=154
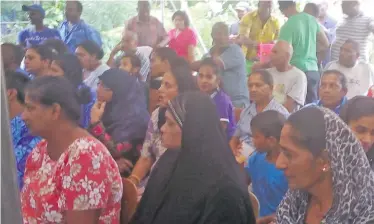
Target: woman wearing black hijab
x=198 y=179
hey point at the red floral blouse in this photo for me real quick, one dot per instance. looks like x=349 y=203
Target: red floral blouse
x=85 y=177
x=127 y=150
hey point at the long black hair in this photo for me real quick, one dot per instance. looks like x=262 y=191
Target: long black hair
x=72 y=68
x=92 y=48
x=17 y=81
x=309 y=135
x=356 y=108
x=48 y=90
x=182 y=73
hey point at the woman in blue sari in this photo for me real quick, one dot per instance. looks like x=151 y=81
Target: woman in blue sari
x=69 y=66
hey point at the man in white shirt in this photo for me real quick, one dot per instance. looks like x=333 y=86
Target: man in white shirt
x=356 y=26
x=128 y=45
x=290 y=83
x=359 y=74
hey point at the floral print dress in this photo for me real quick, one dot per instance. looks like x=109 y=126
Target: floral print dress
x=85 y=177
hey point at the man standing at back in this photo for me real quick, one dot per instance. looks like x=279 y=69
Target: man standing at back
x=150 y=31
x=38 y=32
x=356 y=26
x=303 y=32
x=74 y=30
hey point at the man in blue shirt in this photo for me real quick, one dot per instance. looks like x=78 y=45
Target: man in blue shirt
x=333 y=89
x=74 y=30
x=38 y=33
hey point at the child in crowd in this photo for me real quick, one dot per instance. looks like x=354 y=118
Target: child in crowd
x=268 y=183
x=131 y=64
x=208 y=81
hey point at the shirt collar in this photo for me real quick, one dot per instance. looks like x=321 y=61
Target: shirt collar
x=144 y=22
x=256 y=15
x=214 y=94
x=337 y=109
x=356 y=63
x=252 y=107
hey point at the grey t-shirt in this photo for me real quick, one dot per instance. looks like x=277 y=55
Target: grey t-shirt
x=234 y=75
x=292 y=83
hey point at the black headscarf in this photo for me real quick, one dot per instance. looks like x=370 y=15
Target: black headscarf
x=201 y=182
x=126 y=116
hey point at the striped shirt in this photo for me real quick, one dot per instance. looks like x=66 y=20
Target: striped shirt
x=357 y=29
x=243 y=128
x=144 y=60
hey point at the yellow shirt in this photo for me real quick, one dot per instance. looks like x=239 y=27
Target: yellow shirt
x=251 y=27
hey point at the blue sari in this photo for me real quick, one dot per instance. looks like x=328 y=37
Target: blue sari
x=23 y=144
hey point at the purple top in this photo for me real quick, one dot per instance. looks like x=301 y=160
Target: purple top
x=225 y=111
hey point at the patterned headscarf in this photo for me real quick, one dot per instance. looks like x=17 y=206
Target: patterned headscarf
x=353 y=181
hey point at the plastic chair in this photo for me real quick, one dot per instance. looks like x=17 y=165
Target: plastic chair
x=129 y=200
x=255 y=204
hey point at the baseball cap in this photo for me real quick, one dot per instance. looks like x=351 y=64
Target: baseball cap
x=34 y=7
x=244 y=6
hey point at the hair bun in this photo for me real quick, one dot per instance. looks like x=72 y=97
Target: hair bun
x=84 y=94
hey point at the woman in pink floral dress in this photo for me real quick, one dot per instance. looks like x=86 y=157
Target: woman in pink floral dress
x=70 y=176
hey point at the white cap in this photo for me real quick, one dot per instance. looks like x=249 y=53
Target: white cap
x=244 y=6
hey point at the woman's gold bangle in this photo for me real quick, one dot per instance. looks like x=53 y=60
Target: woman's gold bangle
x=137 y=179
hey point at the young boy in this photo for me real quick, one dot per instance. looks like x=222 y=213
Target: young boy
x=208 y=81
x=269 y=184
x=131 y=64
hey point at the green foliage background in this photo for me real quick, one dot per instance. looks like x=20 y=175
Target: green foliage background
x=109 y=16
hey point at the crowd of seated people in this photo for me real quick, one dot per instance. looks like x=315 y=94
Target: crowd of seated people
x=155 y=135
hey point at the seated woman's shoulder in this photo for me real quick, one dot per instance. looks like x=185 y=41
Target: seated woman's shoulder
x=89 y=148
x=229 y=203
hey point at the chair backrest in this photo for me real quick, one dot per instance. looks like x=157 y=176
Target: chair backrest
x=255 y=204
x=129 y=200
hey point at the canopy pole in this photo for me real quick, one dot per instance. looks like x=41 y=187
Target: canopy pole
x=162 y=11
x=10 y=200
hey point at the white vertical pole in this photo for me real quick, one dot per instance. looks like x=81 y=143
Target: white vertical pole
x=162 y=11
x=10 y=200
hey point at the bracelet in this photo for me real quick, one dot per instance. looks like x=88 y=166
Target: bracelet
x=92 y=125
x=134 y=177
x=96 y=129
